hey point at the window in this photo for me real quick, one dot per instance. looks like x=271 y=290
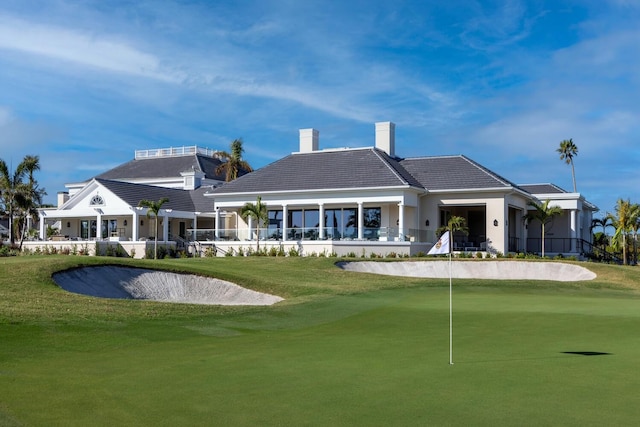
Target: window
x=96 y=200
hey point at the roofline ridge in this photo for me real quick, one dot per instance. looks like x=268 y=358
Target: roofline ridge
x=378 y=153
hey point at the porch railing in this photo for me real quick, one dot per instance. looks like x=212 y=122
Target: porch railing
x=311 y=233
x=554 y=245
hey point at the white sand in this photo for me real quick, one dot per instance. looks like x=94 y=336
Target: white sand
x=138 y=283
x=500 y=270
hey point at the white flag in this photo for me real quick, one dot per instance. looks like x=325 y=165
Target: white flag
x=441 y=247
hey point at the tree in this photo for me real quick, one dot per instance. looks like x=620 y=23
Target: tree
x=600 y=238
x=257 y=211
x=454 y=224
x=153 y=209
x=233 y=162
x=31 y=199
x=543 y=213
x=16 y=195
x=568 y=150
x=624 y=219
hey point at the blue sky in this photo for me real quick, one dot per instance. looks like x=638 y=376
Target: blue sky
x=84 y=84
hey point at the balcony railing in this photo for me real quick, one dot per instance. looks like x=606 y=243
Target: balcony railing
x=311 y=233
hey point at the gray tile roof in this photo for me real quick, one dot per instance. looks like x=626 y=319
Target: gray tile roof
x=163 y=167
x=542 y=188
x=180 y=200
x=330 y=169
x=453 y=173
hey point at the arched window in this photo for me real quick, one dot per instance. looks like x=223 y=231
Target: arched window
x=96 y=200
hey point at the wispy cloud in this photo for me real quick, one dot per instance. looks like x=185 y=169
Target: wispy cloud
x=77 y=47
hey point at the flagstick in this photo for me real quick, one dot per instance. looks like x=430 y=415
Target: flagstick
x=450 y=312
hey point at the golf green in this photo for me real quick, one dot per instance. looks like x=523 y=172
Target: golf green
x=523 y=354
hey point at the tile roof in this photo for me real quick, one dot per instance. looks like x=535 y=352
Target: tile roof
x=453 y=173
x=180 y=200
x=542 y=188
x=327 y=169
x=163 y=167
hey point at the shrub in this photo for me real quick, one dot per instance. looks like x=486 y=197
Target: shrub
x=229 y=252
x=351 y=255
x=293 y=252
x=210 y=252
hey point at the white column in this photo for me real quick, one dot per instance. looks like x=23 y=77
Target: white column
x=360 y=221
x=321 y=221
x=250 y=233
x=165 y=227
x=574 y=233
x=43 y=228
x=98 y=227
x=195 y=227
x=285 y=222
x=217 y=224
x=134 y=227
x=401 y=221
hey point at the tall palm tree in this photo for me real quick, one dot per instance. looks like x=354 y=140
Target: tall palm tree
x=257 y=211
x=32 y=198
x=153 y=209
x=568 y=150
x=15 y=193
x=626 y=215
x=233 y=162
x=543 y=213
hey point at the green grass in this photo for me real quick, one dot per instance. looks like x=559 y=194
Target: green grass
x=343 y=349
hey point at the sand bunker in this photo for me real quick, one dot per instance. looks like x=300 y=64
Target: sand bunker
x=139 y=283
x=500 y=270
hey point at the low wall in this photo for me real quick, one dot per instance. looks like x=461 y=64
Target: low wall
x=92 y=248
x=341 y=248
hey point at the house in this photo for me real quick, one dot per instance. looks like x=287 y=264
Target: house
x=105 y=208
x=370 y=201
x=344 y=201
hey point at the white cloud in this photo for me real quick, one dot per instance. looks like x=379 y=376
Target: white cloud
x=82 y=48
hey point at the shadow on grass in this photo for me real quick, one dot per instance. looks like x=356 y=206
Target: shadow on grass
x=571 y=353
x=587 y=353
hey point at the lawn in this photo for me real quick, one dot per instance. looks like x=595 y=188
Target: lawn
x=343 y=349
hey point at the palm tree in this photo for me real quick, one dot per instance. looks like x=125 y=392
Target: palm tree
x=16 y=195
x=600 y=238
x=32 y=199
x=626 y=216
x=543 y=213
x=258 y=211
x=233 y=162
x=455 y=224
x=154 y=208
x=568 y=150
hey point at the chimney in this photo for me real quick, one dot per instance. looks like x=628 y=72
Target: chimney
x=386 y=137
x=63 y=197
x=308 y=140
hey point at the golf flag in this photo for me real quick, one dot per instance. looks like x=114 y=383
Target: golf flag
x=442 y=246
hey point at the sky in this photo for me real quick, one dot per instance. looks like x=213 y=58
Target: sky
x=83 y=84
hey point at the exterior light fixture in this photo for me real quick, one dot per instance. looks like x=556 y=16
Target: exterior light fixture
x=125 y=222
x=426 y=223
x=495 y=222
